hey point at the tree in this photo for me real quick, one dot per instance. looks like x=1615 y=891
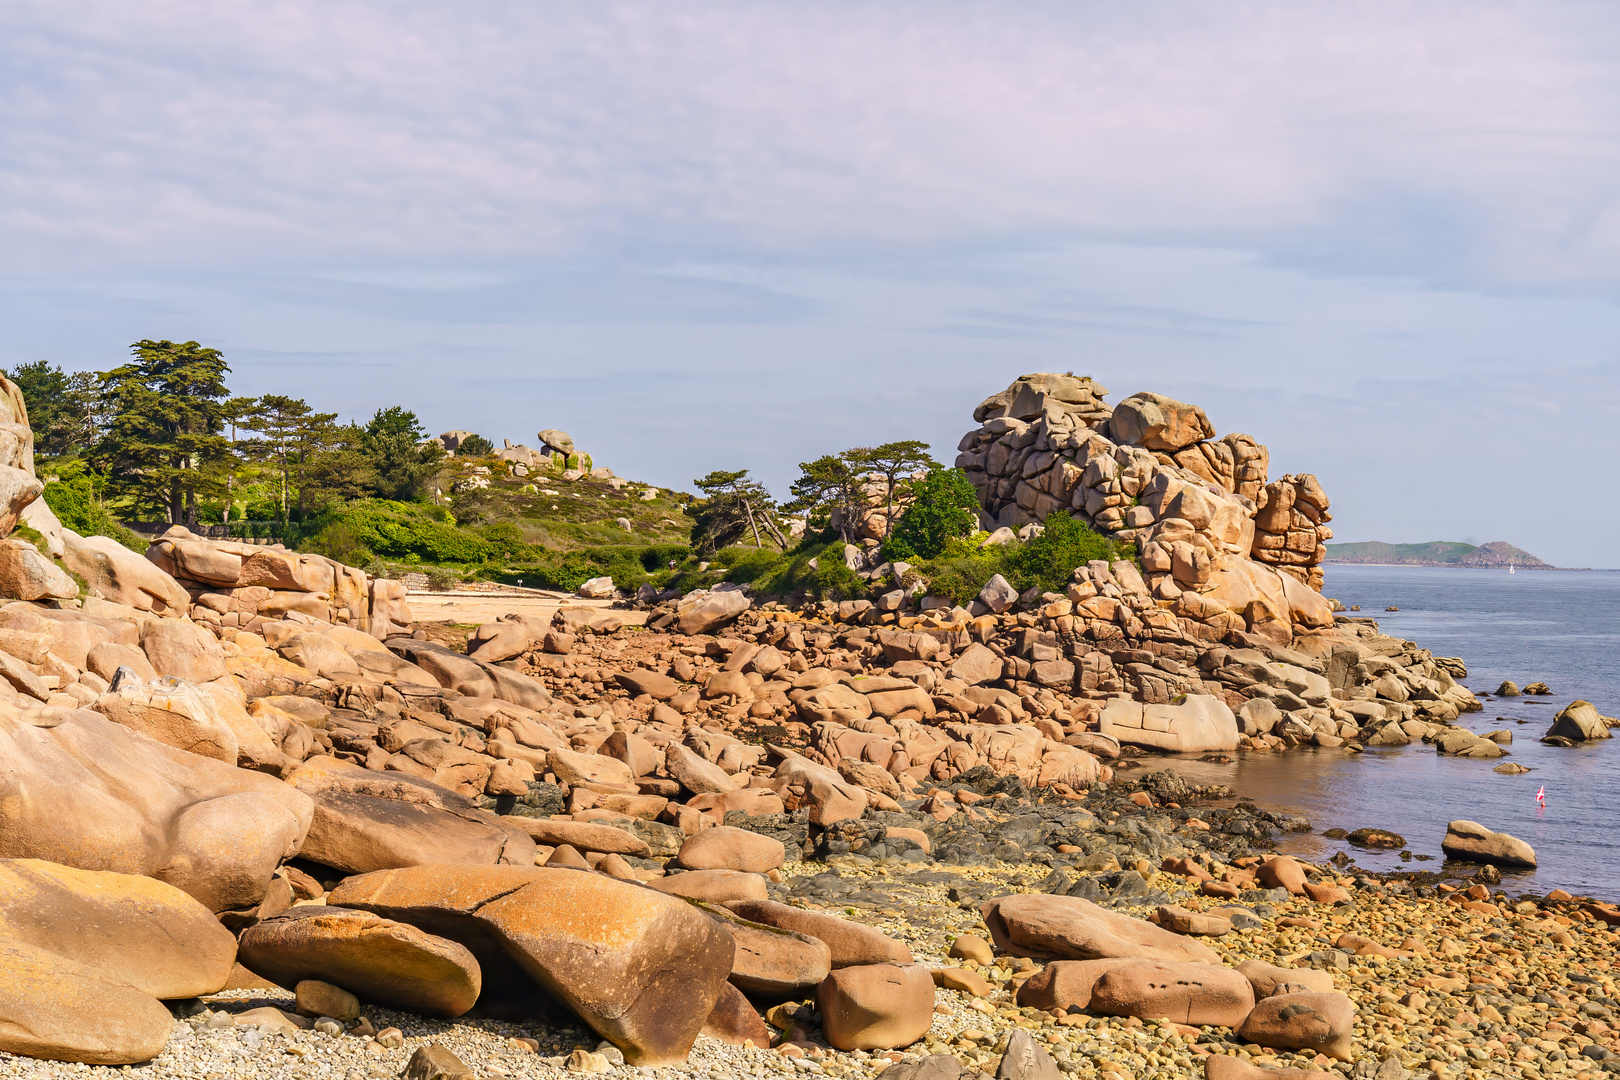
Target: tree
x=828 y=488
x=162 y=446
x=735 y=505
x=474 y=446
x=289 y=431
x=45 y=390
x=394 y=446
x=944 y=506
x=84 y=411
x=893 y=461
x=336 y=468
x=236 y=414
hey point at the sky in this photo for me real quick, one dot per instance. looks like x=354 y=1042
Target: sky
x=1383 y=238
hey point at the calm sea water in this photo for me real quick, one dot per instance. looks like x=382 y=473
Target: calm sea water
x=1561 y=628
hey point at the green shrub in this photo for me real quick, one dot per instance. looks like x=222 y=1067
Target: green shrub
x=944 y=507
x=399 y=530
x=73 y=501
x=962 y=570
x=1050 y=559
x=506 y=538
x=338 y=540
x=829 y=579
x=442 y=579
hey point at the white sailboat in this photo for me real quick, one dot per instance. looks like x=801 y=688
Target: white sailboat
x=1511 y=570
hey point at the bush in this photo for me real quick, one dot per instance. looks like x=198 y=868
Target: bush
x=339 y=540
x=506 y=538
x=73 y=501
x=474 y=446
x=442 y=579
x=944 y=507
x=962 y=569
x=404 y=530
x=1050 y=559
x=829 y=579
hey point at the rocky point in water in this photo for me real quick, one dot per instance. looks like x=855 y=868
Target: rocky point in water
x=733 y=835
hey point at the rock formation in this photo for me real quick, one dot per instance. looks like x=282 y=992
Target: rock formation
x=569 y=822
x=1200 y=510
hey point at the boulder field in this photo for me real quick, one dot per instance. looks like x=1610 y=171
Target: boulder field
x=723 y=835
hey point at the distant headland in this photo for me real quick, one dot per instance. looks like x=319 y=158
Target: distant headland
x=1498 y=554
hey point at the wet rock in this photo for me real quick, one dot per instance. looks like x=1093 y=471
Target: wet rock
x=1579 y=722
x=1377 y=838
x=1472 y=841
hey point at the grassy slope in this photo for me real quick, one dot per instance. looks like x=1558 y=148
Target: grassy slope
x=557 y=534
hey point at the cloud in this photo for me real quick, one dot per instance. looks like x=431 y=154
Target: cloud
x=1463 y=142
x=1382 y=236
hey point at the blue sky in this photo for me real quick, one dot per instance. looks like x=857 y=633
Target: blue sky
x=1384 y=238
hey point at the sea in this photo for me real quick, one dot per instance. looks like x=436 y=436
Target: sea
x=1553 y=626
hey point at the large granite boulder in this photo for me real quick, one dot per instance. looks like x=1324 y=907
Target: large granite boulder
x=376 y=959
x=1201 y=723
x=175 y=713
x=1195 y=994
x=118 y=574
x=849 y=944
x=1070 y=928
x=644 y=970
x=876 y=1006
x=703 y=611
x=86 y=956
x=83 y=791
x=1579 y=722
x=1474 y=842
x=1159 y=423
x=366 y=820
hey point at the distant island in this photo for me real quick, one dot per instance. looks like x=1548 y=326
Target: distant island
x=1498 y=554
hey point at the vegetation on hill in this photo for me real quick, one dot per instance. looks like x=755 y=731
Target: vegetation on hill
x=1497 y=553
x=161 y=438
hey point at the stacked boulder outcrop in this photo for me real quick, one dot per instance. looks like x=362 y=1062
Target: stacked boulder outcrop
x=241 y=586
x=1200 y=510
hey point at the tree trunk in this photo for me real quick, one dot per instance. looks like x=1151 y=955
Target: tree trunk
x=749 y=507
x=776 y=533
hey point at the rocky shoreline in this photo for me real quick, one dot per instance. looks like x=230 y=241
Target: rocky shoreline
x=260 y=823
x=1466 y=983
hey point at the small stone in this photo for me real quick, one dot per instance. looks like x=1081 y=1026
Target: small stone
x=435 y=1062
x=391 y=1038
x=584 y=1061
x=316 y=998
x=968 y=947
